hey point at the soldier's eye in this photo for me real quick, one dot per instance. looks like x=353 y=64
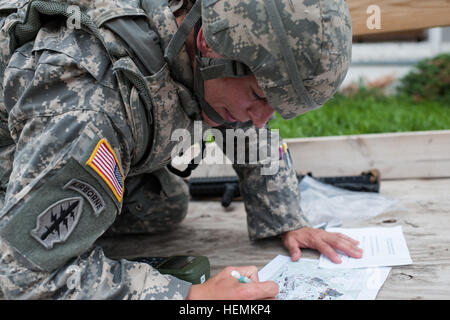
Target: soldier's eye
x=258 y=97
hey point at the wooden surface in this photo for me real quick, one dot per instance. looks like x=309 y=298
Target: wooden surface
x=398 y=15
x=424 y=154
x=222 y=236
x=405 y=155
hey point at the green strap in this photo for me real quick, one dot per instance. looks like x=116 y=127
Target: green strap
x=212 y=68
x=199 y=91
x=24 y=32
x=27 y=31
x=183 y=31
x=207 y=68
x=288 y=55
x=174 y=47
x=143 y=41
x=139 y=82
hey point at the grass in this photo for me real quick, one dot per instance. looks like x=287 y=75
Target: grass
x=367 y=111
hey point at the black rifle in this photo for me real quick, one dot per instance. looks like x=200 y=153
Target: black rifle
x=228 y=187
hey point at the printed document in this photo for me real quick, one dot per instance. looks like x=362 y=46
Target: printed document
x=381 y=247
x=304 y=280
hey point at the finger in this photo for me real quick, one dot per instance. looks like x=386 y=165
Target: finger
x=354 y=241
x=297 y=255
x=348 y=248
x=250 y=272
x=258 y=290
x=328 y=251
x=294 y=250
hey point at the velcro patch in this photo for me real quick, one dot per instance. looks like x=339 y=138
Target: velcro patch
x=103 y=160
x=89 y=192
x=57 y=222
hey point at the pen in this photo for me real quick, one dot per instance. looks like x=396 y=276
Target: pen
x=287 y=155
x=240 y=277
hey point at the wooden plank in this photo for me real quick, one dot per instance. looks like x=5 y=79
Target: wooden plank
x=406 y=155
x=424 y=154
x=222 y=236
x=399 y=15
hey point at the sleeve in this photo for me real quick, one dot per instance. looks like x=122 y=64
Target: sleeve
x=67 y=184
x=268 y=187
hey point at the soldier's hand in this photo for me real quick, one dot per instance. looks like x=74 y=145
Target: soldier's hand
x=224 y=286
x=321 y=240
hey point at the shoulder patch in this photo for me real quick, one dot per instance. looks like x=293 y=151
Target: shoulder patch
x=103 y=160
x=89 y=192
x=57 y=222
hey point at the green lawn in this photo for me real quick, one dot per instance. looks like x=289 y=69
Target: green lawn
x=366 y=112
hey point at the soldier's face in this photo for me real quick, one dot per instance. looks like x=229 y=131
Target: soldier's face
x=237 y=99
x=234 y=99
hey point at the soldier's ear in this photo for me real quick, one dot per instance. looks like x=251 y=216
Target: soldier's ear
x=202 y=45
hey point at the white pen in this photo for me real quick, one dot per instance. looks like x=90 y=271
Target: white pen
x=240 y=277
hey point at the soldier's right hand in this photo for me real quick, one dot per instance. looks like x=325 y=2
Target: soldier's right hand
x=224 y=286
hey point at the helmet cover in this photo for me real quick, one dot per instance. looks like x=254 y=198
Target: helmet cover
x=319 y=34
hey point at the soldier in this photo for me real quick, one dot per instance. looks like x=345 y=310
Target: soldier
x=88 y=107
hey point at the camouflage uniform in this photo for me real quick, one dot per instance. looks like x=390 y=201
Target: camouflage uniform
x=65 y=108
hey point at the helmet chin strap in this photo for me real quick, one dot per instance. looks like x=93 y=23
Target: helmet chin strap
x=206 y=68
x=199 y=82
x=212 y=68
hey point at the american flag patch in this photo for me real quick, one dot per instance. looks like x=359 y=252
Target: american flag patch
x=104 y=161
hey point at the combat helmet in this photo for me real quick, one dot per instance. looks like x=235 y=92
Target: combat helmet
x=298 y=50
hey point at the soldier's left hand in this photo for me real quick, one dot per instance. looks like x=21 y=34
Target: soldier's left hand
x=321 y=240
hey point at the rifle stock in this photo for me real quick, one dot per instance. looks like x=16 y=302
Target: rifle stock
x=227 y=188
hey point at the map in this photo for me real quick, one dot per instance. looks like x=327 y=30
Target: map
x=304 y=280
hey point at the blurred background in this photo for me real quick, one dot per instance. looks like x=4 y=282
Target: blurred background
x=398 y=81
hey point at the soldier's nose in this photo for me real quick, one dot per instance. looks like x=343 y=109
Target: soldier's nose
x=260 y=114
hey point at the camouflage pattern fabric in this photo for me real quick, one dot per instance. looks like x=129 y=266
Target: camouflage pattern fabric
x=151 y=206
x=275 y=206
x=319 y=34
x=91 y=276
x=60 y=98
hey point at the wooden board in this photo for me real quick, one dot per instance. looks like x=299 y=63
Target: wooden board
x=396 y=155
x=406 y=155
x=221 y=235
x=399 y=15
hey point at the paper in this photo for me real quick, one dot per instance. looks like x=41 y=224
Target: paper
x=304 y=280
x=381 y=247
